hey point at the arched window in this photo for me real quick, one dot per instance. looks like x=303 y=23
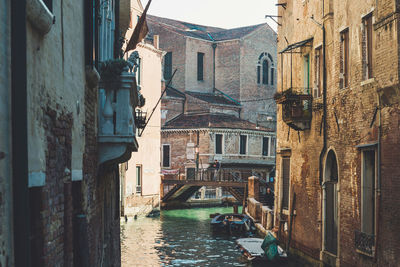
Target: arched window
x=265 y=69
x=265 y=72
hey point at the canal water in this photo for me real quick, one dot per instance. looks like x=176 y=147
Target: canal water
x=180 y=238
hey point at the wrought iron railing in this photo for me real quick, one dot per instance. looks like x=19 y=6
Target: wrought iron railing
x=365 y=243
x=296 y=106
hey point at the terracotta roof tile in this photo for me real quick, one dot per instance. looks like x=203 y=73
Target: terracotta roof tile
x=212 y=120
x=199 y=31
x=213 y=98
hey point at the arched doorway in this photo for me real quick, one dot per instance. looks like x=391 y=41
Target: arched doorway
x=331 y=178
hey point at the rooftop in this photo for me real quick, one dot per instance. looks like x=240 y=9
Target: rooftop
x=213 y=98
x=200 y=31
x=212 y=120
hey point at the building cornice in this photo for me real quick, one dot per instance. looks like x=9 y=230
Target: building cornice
x=220 y=130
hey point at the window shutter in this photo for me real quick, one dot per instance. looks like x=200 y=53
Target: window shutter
x=168 y=66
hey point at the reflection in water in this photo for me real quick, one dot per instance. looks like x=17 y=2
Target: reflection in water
x=178 y=238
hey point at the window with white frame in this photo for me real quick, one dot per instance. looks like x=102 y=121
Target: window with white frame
x=265 y=69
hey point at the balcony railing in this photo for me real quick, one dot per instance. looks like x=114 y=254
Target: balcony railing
x=118 y=99
x=365 y=243
x=296 y=107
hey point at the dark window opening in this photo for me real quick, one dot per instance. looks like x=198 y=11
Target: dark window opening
x=168 y=66
x=138 y=175
x=91 y=33
x=166 y=160
x=286 y=182
x=243 y=144
x=265 y=72
x=218 y=144
x=272 y=76
x=190 y=173
x=258 y=74
x=200 y=66
x=265 y=146
x=139 y=72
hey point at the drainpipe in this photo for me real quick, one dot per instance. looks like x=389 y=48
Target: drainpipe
x=378 y=190
x=19 y=127
x=324 y=147
x=214 y=46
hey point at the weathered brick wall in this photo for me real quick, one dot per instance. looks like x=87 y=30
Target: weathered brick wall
x=178 y=142
x=193 y=46
x=175 y=43
x=350 y=122
x=100 y=190
x=227 y=65
x=170 y=108
x=51 y=205
x=257 y=98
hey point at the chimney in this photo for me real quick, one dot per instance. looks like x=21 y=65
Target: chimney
x=156 y=42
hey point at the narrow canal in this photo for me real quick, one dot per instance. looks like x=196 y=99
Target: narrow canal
x=180 y=238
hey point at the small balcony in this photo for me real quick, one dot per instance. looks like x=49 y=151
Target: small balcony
x=118 y=98
x=365 y=243
x=296 y=107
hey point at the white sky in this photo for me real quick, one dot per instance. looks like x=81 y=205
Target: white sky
x=218 y=13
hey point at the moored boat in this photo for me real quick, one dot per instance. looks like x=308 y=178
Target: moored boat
x=261 y=249
x=232 y=223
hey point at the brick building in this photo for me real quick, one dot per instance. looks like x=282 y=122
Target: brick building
x=59 y=186
x=219 y=105
x=338 y=108
x=239 y=64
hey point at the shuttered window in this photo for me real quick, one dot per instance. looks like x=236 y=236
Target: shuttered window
x=200 y=66
x=344 y=59
x=368 y=193
x=286 y=182
x=367 y=47
x=168 y=66
x=218 y=144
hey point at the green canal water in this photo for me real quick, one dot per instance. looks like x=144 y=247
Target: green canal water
x=179 y=238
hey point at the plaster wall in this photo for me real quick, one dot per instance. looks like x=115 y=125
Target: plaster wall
x=227 y=67
x=257 y=99
x=148 y=155
x=6 y=252
x=56 y=81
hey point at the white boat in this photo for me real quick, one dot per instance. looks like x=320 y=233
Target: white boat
x=252 y=249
